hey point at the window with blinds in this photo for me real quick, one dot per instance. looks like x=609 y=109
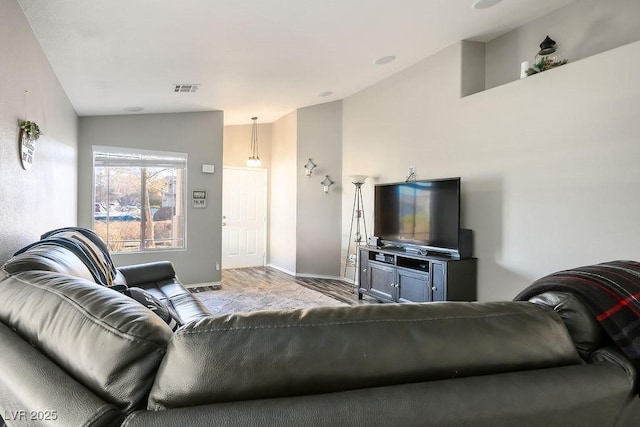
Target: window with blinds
x=139 y=198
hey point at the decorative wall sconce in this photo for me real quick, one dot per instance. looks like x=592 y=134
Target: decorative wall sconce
x=308 y=168
x=326 y=183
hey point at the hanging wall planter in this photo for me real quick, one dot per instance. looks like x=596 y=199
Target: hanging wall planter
x=29 y=134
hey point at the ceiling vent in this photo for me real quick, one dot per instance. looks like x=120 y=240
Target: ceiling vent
x=185 y=88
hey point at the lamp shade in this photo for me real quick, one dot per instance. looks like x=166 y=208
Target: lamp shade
x=359 y=179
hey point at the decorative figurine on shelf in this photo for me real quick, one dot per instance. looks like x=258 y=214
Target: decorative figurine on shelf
x=29 y=134
x=547 y=58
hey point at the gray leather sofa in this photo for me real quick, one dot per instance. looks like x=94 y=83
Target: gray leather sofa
x=75 y=352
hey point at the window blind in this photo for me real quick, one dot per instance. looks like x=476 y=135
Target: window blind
x=126 y=157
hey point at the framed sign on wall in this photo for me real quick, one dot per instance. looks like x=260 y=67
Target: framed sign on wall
x=199 y=199
x=29 y=134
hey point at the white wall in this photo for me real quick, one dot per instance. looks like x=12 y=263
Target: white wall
x=318 y=214
x=549 y=164
x=197 y=134
x=44 y=197
x=581 y=29
x=283 y=192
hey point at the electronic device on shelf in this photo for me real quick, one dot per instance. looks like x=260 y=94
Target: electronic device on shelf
x=422 y=217
x=375 y=241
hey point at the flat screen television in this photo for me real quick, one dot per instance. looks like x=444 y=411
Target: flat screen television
x=422 y=215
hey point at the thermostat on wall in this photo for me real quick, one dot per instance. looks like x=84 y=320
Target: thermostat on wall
x=199 y=199
x=208 y=168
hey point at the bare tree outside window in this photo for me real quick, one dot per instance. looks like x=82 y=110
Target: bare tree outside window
x=139 y=200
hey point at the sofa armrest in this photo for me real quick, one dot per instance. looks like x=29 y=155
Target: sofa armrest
x=586 y=332
x=613 y=355
x=159 y=279
x=139 y=274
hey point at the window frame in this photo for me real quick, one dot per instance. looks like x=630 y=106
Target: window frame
x=112 y=156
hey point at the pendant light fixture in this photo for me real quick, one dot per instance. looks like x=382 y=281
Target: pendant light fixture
x=254 y=159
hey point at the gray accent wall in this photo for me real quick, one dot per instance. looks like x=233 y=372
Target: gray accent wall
x=199 y=135
x=44 y=197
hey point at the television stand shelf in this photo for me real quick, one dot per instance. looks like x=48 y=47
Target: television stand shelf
x=394 y=275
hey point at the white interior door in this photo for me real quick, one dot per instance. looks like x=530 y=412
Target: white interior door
x=244 y=217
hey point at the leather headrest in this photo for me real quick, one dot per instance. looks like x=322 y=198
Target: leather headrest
x=105 y=340
x=273 y=354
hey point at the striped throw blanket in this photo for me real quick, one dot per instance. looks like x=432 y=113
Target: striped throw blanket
x=611 y=291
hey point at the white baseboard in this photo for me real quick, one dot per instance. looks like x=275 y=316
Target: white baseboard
x=310 y=276
x=284 y=270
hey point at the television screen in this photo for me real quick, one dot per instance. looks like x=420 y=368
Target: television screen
x=423 y=213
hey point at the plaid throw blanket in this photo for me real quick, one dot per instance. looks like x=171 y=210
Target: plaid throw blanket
x=611 y=291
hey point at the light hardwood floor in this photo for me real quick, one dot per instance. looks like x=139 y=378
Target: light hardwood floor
x=337 y=289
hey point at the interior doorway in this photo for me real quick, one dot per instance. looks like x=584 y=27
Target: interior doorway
x=244 y=217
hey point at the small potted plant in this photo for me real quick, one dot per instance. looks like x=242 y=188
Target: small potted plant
x=30 y=129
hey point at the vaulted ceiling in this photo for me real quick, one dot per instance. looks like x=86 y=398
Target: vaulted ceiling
x=249 y=58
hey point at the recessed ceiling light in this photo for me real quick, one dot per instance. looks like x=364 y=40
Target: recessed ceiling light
x=384 y=60
x=133 y=109
x=483 y=4
x=325 y=93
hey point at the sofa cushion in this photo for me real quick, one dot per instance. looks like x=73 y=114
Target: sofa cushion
x=328 y=349
x=49 y=257
x=98 y=271
x=94 y=250
x=105 y=340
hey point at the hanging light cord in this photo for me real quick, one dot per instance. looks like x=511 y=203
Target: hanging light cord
x=254 y=139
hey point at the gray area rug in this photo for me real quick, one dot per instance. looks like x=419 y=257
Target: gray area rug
x=246 y=297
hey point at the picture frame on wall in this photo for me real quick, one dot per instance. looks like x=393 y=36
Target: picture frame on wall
x=199 y=199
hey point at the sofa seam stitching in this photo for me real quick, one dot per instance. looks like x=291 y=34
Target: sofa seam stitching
x=339 y=323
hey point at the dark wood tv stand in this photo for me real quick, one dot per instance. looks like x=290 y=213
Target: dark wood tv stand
x=394 y=275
